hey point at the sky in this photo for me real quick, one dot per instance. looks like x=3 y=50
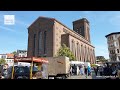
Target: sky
x=15 y=37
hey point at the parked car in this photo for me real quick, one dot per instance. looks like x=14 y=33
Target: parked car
x=23 y=72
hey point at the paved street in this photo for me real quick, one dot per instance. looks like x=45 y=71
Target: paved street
x=80 y=77
x=93 y=76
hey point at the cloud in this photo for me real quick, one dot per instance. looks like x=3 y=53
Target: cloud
x=7 y=29
x=18 y=21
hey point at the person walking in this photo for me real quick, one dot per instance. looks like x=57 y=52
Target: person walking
x=74 y=69
x=82 y=70
x=101 y=70
x=89 y=70
x=86 y=71
x=96 y=70
x=5 y=72
x=71 y=70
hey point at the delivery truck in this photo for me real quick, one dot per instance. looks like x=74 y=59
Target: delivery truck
x=58 y=67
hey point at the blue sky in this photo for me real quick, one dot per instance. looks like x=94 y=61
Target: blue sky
x=13 y=37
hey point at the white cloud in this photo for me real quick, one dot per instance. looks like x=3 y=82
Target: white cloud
x=11 y=30
x=17 y=21
x=8 y=29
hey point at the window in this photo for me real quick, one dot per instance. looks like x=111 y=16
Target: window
x=45 y=33
x=3 y=57
x=117 y=50
x=113 y=51
x=119 y=57
x=72 y=46
x=81 y=49
x=77 y=50
x=77 y=30
x=119 y=41
x=34 y=44
x=115 y=44
x=110 y=51
x=40 y=42
x=111 y=38
x=80 y=31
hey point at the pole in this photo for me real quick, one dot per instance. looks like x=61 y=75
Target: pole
x=13 y=69
x=31 y=69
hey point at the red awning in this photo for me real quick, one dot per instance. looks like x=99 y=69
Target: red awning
x=43 y=60
x=29 y=59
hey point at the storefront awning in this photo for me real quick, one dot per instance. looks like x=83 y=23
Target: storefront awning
x=30 y=59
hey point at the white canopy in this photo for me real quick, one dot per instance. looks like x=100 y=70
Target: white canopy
x=76 y=62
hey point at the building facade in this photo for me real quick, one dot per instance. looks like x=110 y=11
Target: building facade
x=21 y=53
x=9 y=58
x=46 y=35
x=113 y=41
x=3 y=56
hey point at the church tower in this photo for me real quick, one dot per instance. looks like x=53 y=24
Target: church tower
x=82 y=27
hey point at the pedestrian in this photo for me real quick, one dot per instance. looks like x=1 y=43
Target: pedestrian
x=74 y=69
x=5 y=72
x=89 y=70
x=118 y=72
x=104 y=70
x=101 y=70
x=70 y=70
x=82 y=70
x=96 y=70
x=85 y=70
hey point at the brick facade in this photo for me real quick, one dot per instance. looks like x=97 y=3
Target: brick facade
x=57 y=34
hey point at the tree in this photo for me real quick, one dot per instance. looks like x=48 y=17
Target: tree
x=65 y=51
x=14 y=52
x=2 y=61
x=101 y=58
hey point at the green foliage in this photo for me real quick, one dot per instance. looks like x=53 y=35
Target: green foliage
x=2 y=61
x=93 y=65
x=101 y=58
x=65 y=51
x=14 y=52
